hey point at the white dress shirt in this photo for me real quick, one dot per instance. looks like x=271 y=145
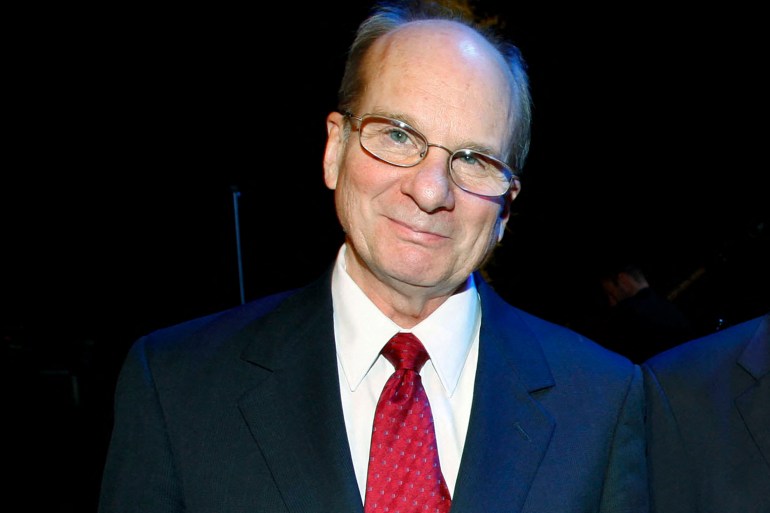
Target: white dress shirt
x=450 y=335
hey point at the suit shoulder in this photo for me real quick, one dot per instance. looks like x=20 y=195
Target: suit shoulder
x=706 y=350
x=216 y=326
x=561 y=346
x=568 y=351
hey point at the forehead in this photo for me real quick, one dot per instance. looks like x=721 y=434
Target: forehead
x=439 y=73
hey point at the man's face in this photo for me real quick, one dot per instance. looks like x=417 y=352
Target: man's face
x=413 y=229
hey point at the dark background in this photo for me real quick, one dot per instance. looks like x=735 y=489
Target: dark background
x=129 y=128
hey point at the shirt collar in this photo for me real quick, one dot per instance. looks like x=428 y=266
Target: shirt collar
x=361 y=329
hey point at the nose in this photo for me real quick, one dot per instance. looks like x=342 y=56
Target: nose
x=429 y=183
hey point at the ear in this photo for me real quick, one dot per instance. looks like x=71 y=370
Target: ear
x=335 y=145
x=513 y=191
x=505 y=211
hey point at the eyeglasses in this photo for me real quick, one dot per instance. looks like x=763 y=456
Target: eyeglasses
x=398 y=144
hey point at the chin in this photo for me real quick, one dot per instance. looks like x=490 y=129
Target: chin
x=422 y=275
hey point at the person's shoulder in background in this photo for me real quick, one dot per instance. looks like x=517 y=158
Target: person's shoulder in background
x=705 y=354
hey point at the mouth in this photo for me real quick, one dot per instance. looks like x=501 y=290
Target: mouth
x=418 y=233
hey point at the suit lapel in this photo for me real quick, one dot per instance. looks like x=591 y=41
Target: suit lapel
x=297 y=405
x=508 y=432
x=753 y=403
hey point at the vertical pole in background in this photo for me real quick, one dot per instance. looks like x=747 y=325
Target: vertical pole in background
x=236 y=197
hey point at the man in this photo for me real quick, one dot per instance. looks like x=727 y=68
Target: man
x=640 y=322
x=709 y=422
x=270 y=406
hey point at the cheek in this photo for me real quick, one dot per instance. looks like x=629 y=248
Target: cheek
x=483 y=230
x=366 y=179
x=357 y=186
x=486 y=217
x=344 y=198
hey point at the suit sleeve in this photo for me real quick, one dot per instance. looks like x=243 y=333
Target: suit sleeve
x=626 y=486
x=139 y=474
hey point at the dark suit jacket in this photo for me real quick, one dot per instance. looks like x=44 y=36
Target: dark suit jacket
x=240 y=412
x=709 y=422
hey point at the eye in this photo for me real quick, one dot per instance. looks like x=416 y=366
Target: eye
x=398 y=136
x=469 y=159
x=473 y=165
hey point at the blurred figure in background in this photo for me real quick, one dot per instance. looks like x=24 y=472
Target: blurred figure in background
x=639 y=322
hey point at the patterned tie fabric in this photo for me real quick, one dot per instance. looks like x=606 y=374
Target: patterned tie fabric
x=404 y=475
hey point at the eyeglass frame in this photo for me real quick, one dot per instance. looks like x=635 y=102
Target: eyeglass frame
x=515 y=179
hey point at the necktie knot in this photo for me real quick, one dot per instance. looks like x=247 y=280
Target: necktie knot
x=405 y=352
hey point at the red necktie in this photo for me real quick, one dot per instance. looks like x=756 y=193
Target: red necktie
x=404 y=475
